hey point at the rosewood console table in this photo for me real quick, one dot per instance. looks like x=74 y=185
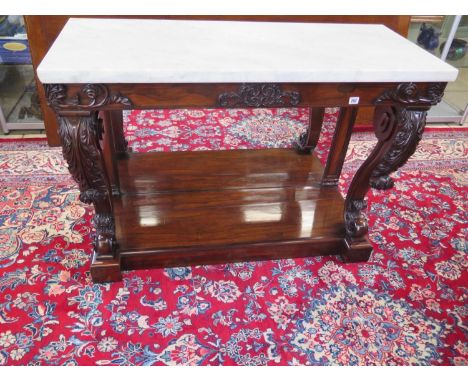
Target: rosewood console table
x=179 y=208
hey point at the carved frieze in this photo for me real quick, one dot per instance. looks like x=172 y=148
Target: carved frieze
x=90 y=97
x=408 y=93
x=259 y=95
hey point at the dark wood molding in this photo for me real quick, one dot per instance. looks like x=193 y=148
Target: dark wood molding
x=259 y=95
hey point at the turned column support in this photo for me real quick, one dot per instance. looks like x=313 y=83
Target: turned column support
x=399 y=121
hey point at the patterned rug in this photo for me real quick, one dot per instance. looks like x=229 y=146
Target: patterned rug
x=406 y=306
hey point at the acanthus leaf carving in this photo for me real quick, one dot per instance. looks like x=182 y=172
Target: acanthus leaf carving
x=81 y=150
x=79 y=136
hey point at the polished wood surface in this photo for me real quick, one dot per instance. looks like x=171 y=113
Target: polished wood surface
x=224 y=197
x=207 y=95
x=144 y=173
x=224 y=206
x=172 y=221
x=339 y=146
x=43 y=30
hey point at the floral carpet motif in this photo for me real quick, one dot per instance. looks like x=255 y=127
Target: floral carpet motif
x=406 y=306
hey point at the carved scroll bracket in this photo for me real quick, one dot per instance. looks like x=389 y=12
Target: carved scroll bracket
x=399 y=121
x=259 y=95
x=409 y=129
x=410 y=93
x=404 y=112
x=89 y=97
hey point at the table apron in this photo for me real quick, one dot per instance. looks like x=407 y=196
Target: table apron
x=217 y=95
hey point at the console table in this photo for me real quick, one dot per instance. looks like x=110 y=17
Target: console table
x=179 y=208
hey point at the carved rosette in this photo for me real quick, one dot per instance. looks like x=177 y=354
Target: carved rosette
x=90 y=97
x=259 y=95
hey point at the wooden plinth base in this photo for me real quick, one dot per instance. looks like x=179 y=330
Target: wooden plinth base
x=187 y=208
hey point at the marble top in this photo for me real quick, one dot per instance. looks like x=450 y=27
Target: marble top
x=163 y=51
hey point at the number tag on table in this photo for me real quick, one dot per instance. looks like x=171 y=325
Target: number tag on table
x=353 y=100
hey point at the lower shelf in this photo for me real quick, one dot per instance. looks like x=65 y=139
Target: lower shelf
x=217 y=207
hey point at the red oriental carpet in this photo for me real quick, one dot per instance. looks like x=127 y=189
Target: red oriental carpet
x=406 y=306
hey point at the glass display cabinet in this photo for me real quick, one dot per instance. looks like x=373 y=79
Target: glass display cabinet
x=447 y=38
x=19 y=101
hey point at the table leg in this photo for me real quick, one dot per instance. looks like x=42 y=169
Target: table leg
x=115 y=119
x=80 y=133
x=339 y=146
x=114 y=145
x=398 y=129
x=308 y=140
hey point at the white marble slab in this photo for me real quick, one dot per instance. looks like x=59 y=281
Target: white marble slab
x=159 y=51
